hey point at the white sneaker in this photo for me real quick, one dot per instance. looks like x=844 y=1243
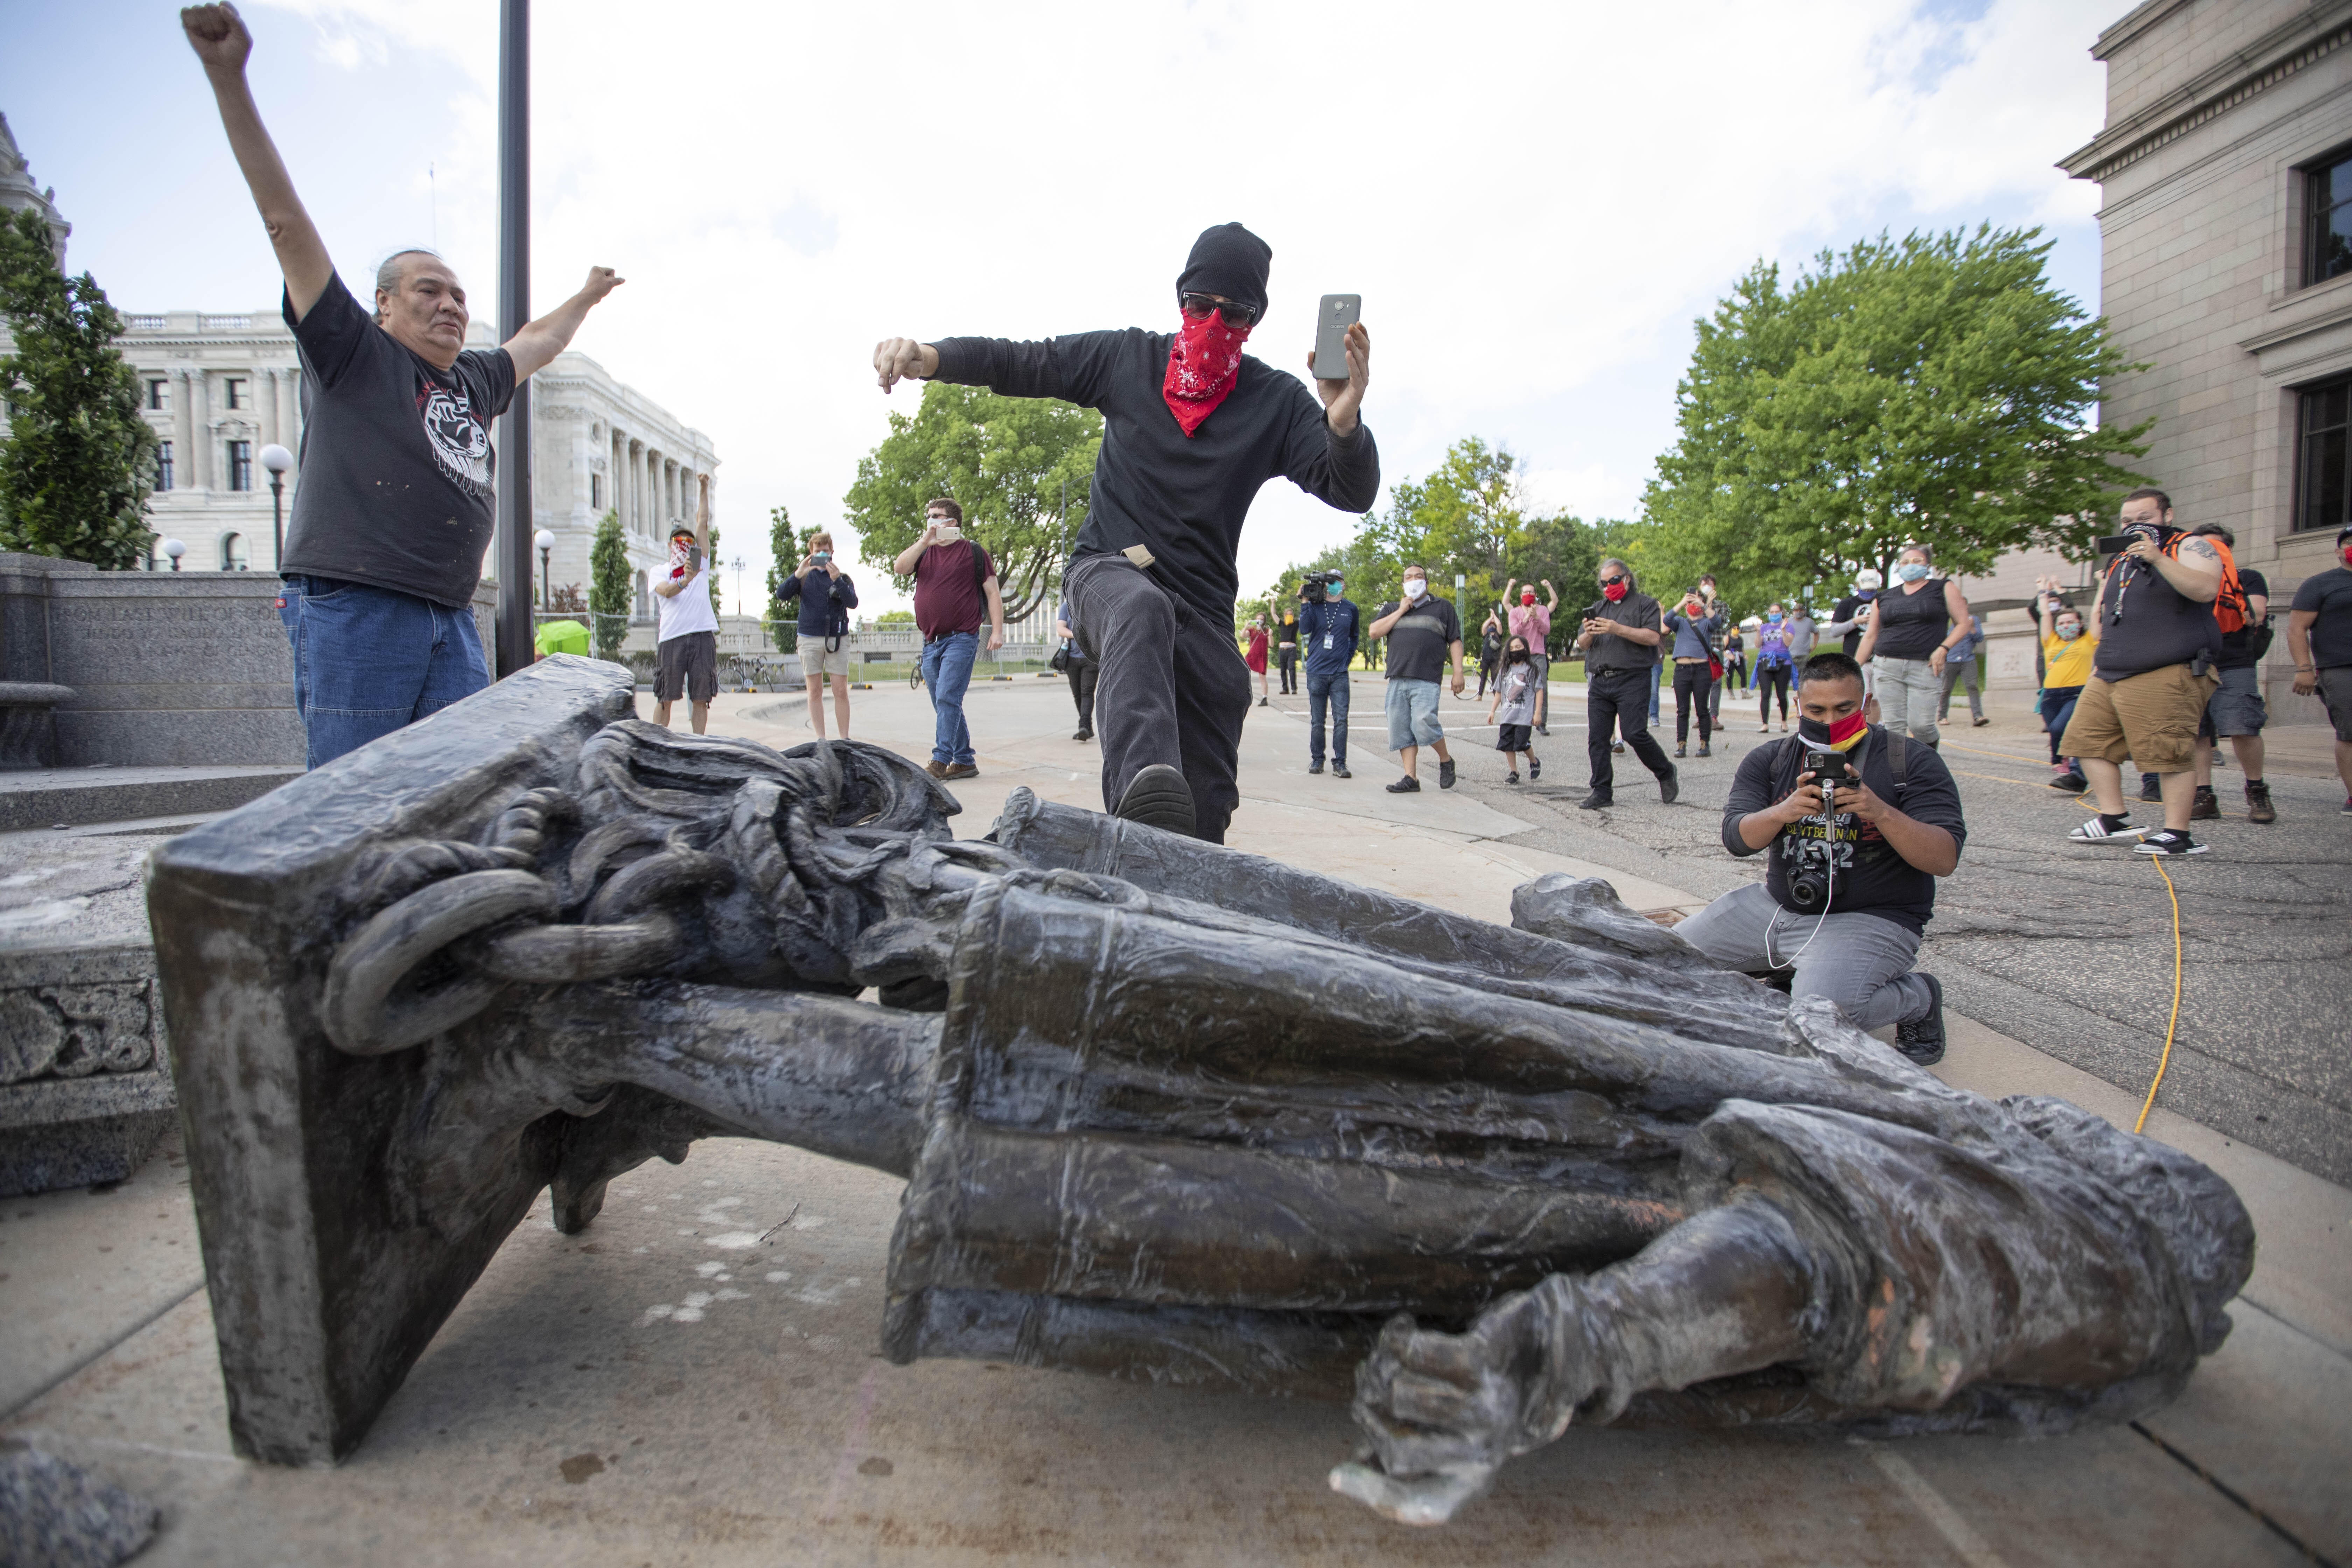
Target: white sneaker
x=2094 y=829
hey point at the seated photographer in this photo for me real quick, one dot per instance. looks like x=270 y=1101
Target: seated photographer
x=1848 y=890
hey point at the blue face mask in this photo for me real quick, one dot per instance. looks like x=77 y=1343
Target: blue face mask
x=1911 y=571
x=1773 y=619
x=1336 y=590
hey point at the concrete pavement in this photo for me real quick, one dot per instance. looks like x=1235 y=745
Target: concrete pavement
x=657 y=1391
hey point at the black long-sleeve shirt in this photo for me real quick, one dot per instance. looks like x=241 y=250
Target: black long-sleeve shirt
x=1182 y=498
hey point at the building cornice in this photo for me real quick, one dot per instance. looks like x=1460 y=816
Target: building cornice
x=2285 y=51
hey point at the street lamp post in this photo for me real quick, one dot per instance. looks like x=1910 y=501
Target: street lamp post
x=738 y=584
x=546 y=541
x=277 y=460
x=174 y=549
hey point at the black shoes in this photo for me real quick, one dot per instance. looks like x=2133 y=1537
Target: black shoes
x=1405 y=786
x=1535 y=767
x=1705 y=750
x=1159 y=797
x=2207 y=806
x=1084 y=735
x=2073 y=784
x=1261 y=701
x=2258 y=802
x=1445 y=773
x=1315 y=767
x=2149 y=788
x=1669 y=784
x=1596 y=800
x=1339 y=771
x=1681 y=750
x=1922 y=1039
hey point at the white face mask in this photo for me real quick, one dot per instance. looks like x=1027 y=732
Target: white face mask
x=1414 y=587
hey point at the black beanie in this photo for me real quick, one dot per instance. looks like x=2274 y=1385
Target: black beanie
x=1230 y=261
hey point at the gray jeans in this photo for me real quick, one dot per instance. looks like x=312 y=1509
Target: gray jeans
x=1860 y=962
x=1172 y=687
x=1909 y=693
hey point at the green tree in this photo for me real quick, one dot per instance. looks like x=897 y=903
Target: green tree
x=1466 y=519
x=710 y=565
x=608 y=587
x=79 y=462
x=895 y=618
x=1934 y=389
x=784 y=553
x=1009 y=461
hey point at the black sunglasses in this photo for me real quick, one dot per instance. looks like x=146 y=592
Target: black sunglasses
x=1236 y=314
x=1611 y=582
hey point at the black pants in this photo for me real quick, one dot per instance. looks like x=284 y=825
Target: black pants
x=1083 y=676
x=1692 y=686
x=1485 y=674
x=1172 y=689
x=1769 y=678
x=1286 y=666
x=1615 y=699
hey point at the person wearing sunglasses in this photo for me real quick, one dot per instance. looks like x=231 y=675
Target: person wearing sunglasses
x=1191 y=428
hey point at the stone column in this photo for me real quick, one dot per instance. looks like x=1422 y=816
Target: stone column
x=183 y=425
x=200 y=414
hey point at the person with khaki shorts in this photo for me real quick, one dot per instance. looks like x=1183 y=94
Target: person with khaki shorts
x=687 y=663
x=826 y=597
x=2153 y=675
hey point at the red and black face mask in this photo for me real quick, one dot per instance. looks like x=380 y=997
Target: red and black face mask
x=1202 y=365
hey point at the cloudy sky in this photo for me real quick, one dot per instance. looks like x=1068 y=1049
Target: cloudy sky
x=1534 y=200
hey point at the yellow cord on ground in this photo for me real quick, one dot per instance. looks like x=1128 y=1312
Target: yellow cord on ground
x=2166 y=1060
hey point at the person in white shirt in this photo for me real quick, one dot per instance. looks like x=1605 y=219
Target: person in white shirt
x=689 y=626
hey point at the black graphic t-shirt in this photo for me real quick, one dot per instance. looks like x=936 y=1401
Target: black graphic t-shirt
x=1422 y=642
x=1872 y=879
x=395 y=487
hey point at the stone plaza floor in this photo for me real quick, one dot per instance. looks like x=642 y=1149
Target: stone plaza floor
x=695 y=1380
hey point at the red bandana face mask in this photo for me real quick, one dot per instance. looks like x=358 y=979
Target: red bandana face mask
x=1614 y=593
x=1202 y=365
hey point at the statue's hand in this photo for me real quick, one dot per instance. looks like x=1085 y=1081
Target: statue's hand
x=1428 y=1401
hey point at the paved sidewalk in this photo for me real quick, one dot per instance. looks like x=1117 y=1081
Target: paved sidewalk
x=656 y=1391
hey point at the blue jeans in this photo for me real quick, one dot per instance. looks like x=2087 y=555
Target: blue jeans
x=947 y=671
x=368 y=661
x=1657 y=685
x=1327 y=686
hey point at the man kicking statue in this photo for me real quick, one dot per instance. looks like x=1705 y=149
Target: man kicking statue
x=384 y=548
x=1191 y=428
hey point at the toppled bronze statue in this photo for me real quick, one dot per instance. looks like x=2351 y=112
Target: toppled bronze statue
x=1164 y=1109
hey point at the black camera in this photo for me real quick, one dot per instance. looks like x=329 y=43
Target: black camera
x=1317 y=583
x=1810 y=890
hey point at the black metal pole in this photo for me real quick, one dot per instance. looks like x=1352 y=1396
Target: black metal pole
x=513 y=551
x=277 y=517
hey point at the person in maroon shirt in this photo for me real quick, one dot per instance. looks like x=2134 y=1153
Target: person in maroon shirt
x=954 y=582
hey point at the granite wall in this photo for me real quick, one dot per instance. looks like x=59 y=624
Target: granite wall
x=186 y=669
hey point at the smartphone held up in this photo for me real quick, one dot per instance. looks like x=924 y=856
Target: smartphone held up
x=1333 y=316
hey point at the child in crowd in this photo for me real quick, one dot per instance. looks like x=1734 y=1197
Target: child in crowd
x=1513 y=708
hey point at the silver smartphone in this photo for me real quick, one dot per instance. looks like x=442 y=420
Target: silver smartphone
x=1333 y=316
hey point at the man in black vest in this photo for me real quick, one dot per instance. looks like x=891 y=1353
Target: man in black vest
x=1850 y=883
x=1620 y=642
x=2158 y=644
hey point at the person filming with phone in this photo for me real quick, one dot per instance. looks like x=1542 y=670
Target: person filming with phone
x=1191 y=428
x=1860 y=821
x=826 y=597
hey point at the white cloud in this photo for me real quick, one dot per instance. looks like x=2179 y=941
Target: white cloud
x=1534 y=199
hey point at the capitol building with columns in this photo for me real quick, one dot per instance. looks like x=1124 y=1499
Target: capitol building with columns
x=219 y=388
